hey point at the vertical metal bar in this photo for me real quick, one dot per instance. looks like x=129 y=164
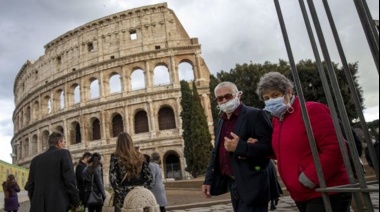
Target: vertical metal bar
x=305 y=115
x=329 y=97
x=371 y=22
x=364 y=16
x=338 y=96
x=350 y=80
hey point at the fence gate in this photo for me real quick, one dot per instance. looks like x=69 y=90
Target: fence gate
x=357 y=186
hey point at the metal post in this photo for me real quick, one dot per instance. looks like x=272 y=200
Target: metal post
x=305 y=115
x=338 y=98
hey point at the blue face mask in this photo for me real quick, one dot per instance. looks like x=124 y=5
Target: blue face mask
x=276 y=106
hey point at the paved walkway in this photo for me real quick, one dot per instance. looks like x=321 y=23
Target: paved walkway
x=285 y=204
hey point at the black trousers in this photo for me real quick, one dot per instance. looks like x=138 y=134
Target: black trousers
x=339 y=202
x=239 y=205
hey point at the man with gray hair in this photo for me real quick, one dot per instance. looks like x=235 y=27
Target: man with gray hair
x=51 y=184
x=236 y=165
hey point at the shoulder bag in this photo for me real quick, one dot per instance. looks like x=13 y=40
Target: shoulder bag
x=94 y=200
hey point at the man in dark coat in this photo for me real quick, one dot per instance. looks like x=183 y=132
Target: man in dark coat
x=235 y=163
x=51 y=184
x=79 y=175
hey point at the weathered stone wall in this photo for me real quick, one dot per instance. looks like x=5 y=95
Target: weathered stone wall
x=55 y=91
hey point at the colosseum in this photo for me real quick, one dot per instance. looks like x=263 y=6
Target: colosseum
x=117 y=73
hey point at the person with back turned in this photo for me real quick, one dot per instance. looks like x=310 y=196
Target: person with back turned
x=51 y=183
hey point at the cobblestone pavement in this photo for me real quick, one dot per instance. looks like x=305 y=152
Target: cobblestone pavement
x=285 y=203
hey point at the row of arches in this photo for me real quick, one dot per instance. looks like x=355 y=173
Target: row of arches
x=74 y=134
x=75 y=94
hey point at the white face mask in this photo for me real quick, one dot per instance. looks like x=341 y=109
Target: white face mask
x=229 y=106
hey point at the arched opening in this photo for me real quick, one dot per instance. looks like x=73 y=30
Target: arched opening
x=94 y=89
x=62 y=100
x=45 y=140
x=172 y=166
x=75 y=133
x=117 y=125
x=60 y=129
x=137 y=80
x=76 y=94
x=95 y=129
x=36 y=107
x=27 y=115
x=34 y=149
x=141 y=122
x=26 y=147
x=166 y=119
x=161 y=75
x=186 y=71
x=115 y=84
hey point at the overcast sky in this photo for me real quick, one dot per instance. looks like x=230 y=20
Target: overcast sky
x=229 y=31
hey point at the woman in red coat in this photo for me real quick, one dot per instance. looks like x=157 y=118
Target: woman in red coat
x=11 y=189
x=291 y=146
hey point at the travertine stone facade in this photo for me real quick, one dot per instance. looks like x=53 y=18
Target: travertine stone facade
x=118 y=73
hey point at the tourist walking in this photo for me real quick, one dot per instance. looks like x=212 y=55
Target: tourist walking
x=235 y=164
x=292 y=150
x=51 y=183
x=11 y=188
x=128 y=169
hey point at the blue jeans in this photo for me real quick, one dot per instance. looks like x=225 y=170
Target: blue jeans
x=339 y=202
x=238 y=203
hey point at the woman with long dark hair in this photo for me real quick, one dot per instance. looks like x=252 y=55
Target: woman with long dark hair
x=93 y=181
x=11 y=188
x=127 y=169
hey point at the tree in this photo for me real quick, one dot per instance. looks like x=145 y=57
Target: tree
x=215 y=113
x=247 y=76
x=186 y=103
x=198 y=148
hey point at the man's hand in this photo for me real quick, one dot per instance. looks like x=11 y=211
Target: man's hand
x=206 y=191
x=252 y=140
x=231 y=144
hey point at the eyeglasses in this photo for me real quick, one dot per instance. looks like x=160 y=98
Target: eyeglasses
x=228 y=96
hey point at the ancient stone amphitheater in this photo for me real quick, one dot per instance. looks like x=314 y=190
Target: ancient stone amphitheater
x=117 y=73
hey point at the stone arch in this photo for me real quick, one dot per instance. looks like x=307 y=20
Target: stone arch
x=141 y=122
x=75 y=133
x=115 y=84
x=95 y=133
x=117 y=124
x=137 y=79
x=60 y=129
x=21 y=119
x=34 y=143
x=57 y=100
x=74 y=94
x=25 y=148
x=186 y=70
x=166 y=118
x=36 y=106
x=94 y=88
x=27 y=115
x=161 y=75
x=172 y=165
x=45 y=140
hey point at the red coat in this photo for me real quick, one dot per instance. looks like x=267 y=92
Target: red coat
x=291 y=146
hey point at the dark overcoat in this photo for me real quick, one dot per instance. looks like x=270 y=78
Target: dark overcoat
x=249 y=161
x=51 y=183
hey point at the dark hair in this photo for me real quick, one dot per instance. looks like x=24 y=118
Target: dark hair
x=7 y=185
x=147 y=158
x=94 y=162
x=155 y=157
x=86 y=155
x=55 y=137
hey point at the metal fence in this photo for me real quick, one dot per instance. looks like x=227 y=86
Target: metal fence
x=358 y=185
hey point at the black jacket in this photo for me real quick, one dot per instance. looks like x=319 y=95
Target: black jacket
x=96 y=184
x=249 y=161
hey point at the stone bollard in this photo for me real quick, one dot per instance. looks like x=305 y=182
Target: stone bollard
x=140 y=199
x=107 y=206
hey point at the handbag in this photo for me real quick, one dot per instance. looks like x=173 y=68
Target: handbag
x=219 y=185
x=94 y=199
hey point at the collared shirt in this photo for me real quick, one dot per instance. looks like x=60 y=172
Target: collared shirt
x=227 y=128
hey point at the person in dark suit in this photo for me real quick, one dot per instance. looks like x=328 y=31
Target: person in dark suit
x=79 y=175
x=236 y=164
x=51 y=183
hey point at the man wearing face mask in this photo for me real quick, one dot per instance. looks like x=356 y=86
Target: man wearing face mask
x=236 y=165
x=292 y=150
